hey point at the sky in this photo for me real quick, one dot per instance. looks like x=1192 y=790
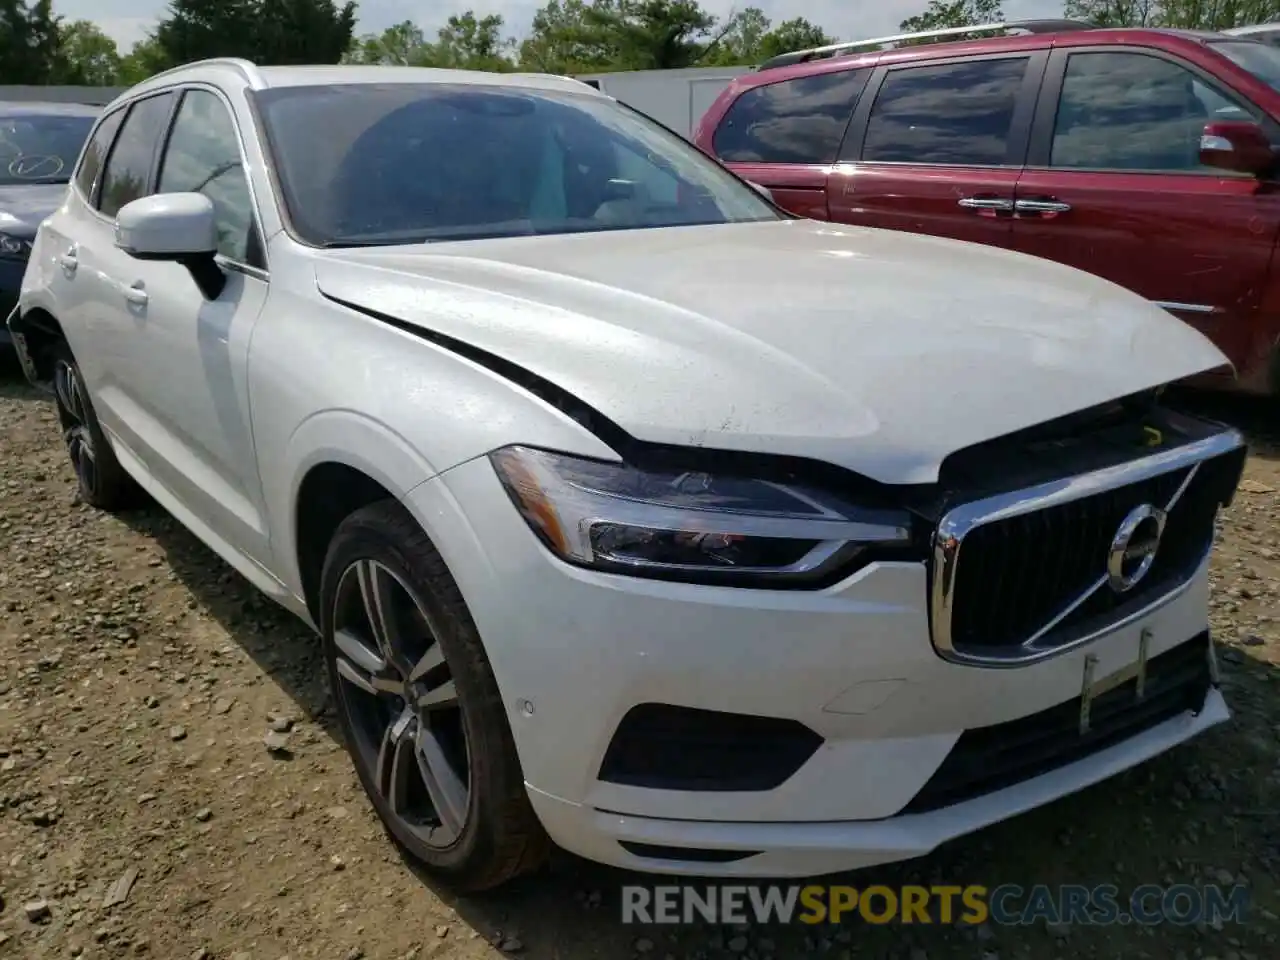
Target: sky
x=127 y=21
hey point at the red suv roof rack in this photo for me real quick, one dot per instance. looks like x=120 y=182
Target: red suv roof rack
x=849 y=46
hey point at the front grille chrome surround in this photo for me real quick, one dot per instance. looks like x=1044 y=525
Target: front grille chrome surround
x=1047 y=639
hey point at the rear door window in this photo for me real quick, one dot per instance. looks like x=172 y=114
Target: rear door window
x=794 y=121
x=1131 y=111
x=127 y=175
x=955 y=114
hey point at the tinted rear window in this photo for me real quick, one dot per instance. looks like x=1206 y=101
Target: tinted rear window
x=794 y=121
x=955 y=113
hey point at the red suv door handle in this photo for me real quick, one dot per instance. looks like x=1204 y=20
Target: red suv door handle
x=995 y=204
x=1041 y=206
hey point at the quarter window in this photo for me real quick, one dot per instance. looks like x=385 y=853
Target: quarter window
x=793 y=121
x=1130 y=111
x=128 y=171
x=203 y=156
x=959 y=114
x=95 y=153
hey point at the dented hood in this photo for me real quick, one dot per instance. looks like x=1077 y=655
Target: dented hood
x=879 y=351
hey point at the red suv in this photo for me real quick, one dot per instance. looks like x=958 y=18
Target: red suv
x=1144 y=156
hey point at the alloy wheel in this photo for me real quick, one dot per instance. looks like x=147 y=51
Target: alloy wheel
x=400 y=701
x=76 y=432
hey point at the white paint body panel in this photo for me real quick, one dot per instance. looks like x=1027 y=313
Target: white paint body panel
x=877 y=351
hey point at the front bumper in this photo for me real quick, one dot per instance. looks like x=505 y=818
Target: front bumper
x=574 y=651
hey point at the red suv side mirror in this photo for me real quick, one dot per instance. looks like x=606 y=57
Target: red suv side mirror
x=1238 y=146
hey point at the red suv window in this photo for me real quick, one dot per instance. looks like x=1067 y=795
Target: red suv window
x=955 y=113
x=794 y=121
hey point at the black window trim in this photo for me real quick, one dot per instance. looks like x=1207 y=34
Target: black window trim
x=149 y=186
x=867 y=70
x=256 y=245
x=92 y=201
x=1019 y=127
x=1040 y=151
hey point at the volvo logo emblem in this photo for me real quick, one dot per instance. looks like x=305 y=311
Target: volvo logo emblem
x=1133 y=548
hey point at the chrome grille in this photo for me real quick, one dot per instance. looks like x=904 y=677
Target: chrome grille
x=1020 y=576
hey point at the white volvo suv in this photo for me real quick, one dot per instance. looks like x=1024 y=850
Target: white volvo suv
x=635 y=514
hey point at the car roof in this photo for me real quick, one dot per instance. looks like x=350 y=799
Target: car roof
x=254 y=77
x=35 y=108
x=964 y=46
x=301 y=76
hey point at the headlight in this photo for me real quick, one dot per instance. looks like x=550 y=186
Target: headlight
x=691 y=526
x=14 y=248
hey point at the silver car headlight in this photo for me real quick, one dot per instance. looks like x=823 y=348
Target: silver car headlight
x=691 y=525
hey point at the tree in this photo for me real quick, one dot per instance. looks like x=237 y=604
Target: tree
x=741 y=39
x=30 y=51
x=90 y=56
x=1215 y=14
x=655 y=34
x=466 y=42
x=199 y=29
x=582 y=36
x=790 y=35
x=404 y=45
x=264 y=31
x=1113 y=13
x=146 y=59
x=303 y=31
x=943 y=14
x=561 y=41
x=749 y=37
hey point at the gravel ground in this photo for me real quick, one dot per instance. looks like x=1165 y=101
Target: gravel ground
x=139 y=805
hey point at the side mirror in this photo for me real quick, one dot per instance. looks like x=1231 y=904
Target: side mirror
x=763 y=191
x=1239 y=146
x=174 y=226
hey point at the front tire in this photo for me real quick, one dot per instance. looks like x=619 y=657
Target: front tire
x=102 y=482
x=419 y=707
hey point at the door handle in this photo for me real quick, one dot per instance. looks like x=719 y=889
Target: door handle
x=69 y=262
x=986 y=203
x=136 y=294
x=1041 y=205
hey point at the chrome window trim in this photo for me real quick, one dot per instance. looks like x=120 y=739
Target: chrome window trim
x=1174 y=306
x=961 y=520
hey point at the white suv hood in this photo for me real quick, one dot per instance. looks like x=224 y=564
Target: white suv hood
x=879 y=351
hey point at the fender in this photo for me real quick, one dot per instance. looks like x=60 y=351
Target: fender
x=334 y=436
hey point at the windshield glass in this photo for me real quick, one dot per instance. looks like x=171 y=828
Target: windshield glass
x=406 y=163
x=1260 y=59
x=40 y=149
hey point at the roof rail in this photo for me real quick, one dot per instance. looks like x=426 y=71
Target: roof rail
x=848 y=46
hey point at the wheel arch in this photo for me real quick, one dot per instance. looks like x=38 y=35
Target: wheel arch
x=338 y=461
x=40 y=330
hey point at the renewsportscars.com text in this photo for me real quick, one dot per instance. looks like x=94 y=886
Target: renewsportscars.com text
x=1006 y=905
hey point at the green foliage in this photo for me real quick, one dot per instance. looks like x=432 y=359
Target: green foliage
x=566 y=36
x=944 y=14
x=263 y=31
x=465 y=42
x=750 y=38
x=30 y=43
x=1113 y=13
x=89 y=57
